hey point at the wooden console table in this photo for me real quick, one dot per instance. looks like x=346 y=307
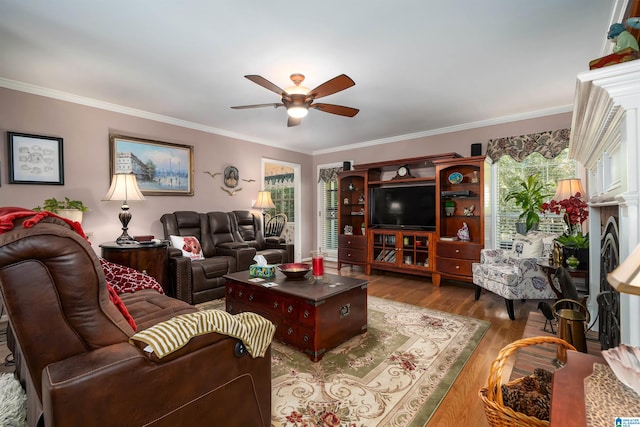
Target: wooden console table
x=567 y=393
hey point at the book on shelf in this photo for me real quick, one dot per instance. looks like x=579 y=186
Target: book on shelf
x=448 y=238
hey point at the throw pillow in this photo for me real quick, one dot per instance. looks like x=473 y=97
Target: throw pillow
x=115 y=299
x=189 y=245
x=126 y=279
x=547 y=241
x=526 y=247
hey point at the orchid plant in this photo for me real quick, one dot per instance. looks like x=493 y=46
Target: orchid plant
x=575 y=211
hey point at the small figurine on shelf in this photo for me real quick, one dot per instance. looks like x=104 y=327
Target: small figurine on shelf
x=475 y=178
x=348 y=229
x=361 y=199
x=469 y=211
x=463 y=233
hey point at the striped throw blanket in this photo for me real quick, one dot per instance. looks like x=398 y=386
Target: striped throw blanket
x=253 y=330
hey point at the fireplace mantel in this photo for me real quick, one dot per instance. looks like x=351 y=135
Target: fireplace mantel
x=605 y=134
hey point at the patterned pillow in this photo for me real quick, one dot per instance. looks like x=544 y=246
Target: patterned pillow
x=526 y=247
x=125 y=279
x=547 y=241
x=189 y=245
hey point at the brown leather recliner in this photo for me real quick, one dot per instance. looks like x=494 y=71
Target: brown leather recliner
x=73 y=355
x=249 y=229
x=197 y=281
x=229 y=243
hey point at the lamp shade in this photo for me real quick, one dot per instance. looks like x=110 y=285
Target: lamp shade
x=567 y=188
x=124 y=187
x=264 y=201
x=626 y=277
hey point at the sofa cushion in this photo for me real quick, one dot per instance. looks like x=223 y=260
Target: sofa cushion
x=189 y=245
x=148 y=307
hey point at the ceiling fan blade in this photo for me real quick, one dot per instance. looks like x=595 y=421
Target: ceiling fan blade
x=259 y=80
x=336 y=109
x=292 y=121
x=332 y=86
x=273 y=104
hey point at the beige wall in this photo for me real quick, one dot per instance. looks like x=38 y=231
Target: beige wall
x=86 y=158
x=86 y=130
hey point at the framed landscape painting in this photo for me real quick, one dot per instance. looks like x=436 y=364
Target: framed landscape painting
x=161 y=168
x=34 y=159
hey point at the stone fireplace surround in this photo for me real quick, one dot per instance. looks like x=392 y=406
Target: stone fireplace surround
x=605 y=135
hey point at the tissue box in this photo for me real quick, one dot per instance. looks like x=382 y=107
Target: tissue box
x=265 y=271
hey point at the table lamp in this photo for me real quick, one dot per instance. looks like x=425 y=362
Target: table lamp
x=626 y=277
x=124 y=187
x=567 y=188
x=264 y=202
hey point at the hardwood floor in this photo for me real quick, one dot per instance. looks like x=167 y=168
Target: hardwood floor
x=461 y=406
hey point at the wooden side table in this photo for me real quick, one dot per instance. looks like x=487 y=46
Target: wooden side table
x=567 y=393
x=151 y=259
x=551 y=268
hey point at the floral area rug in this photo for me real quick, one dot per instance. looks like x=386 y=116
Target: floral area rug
x=395 y=374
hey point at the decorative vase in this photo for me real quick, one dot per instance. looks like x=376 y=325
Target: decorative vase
x=475 y=179
x=573 y=262
x=449 y=210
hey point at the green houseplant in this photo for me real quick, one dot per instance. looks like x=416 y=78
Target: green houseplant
x=67 y=208
x=529 y=197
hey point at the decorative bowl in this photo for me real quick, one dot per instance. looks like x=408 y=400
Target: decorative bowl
x=294 y=270
x=456 y=178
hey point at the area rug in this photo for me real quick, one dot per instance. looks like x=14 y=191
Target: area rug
x=13 y=402
x=395 y=374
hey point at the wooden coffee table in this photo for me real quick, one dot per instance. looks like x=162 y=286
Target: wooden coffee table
x=313 y=317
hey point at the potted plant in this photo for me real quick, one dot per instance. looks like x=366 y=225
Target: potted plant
x=575 y=211
x=67 y=208
x=529 y=197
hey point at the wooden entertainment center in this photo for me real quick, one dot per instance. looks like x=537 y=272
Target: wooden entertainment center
x=428 y=250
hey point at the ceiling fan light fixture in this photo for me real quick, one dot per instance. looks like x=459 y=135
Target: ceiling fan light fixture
x=297 y=112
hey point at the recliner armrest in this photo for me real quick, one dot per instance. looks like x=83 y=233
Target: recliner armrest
x=287 y=247
x=242 y=254
x=120 y=385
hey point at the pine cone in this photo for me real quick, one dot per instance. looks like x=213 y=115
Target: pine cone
x=529 y=383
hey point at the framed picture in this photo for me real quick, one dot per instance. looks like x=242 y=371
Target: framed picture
x=161 y=168
x=231 y=176
x=34 y=159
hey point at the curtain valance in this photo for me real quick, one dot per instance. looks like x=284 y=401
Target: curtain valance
x=329 y=174
x=549 y=144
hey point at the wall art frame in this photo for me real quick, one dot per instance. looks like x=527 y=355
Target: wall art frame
x=35 y=159
x=161 y=168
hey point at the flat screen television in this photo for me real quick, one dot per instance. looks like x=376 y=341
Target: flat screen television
x=408 y=207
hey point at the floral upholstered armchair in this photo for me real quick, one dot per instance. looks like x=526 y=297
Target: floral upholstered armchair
x=515 y=274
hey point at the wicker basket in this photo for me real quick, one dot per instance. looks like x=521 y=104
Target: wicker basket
x=497 y=414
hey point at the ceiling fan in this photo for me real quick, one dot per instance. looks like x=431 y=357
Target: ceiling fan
x=299 y=99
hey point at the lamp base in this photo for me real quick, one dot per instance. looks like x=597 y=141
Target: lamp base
x=125 y=239
x=125 y=217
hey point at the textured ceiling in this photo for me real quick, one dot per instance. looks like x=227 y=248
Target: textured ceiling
x=420 y=67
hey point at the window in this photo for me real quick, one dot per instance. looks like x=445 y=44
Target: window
x=509 y=172
x=282 y=194
x=330 y=220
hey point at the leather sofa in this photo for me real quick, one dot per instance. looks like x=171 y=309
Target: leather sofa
x=73 y=351
x=229 y=241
